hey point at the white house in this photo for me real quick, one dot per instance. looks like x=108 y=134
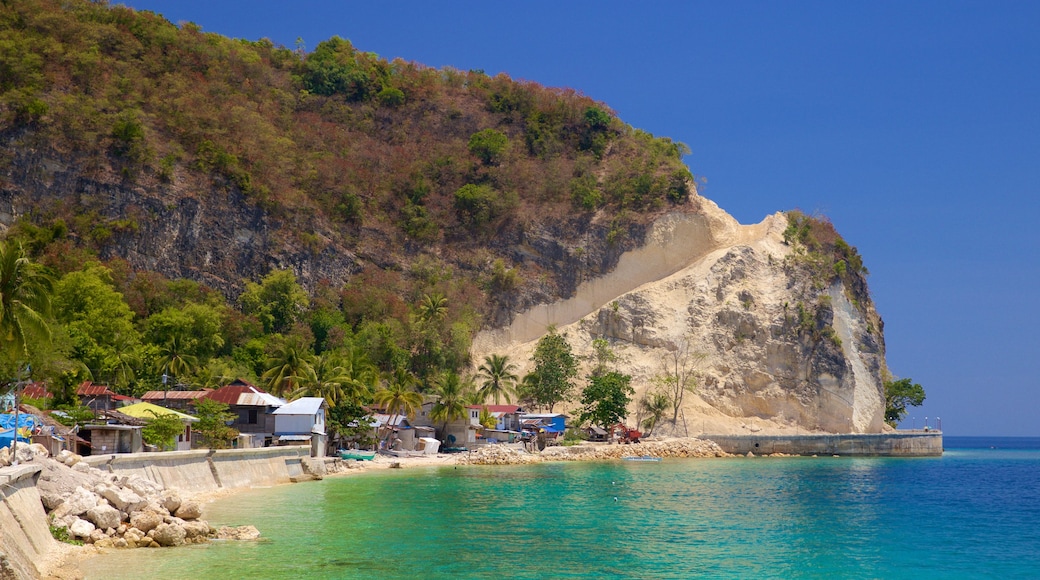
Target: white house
x=302 y=420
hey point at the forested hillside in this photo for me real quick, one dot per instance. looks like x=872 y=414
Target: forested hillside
x=209 y=207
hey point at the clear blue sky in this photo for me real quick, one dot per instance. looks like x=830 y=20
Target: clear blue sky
x=915 y=126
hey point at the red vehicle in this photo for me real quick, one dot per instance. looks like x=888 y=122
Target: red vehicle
x=625 y=434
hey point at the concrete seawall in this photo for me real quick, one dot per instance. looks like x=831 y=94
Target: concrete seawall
x=26 y=541
x=870 y=444
x=209 y=470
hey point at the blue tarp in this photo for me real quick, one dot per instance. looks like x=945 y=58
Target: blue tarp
x=29 y=422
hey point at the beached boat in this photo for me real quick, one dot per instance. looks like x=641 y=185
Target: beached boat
x=640 y=458
x=356 y=454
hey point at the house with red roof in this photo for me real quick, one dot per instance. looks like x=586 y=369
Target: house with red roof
x=253 y=409
x=96 y=397
x=177 y=400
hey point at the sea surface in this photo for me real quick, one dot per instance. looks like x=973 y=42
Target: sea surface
x=973 y=513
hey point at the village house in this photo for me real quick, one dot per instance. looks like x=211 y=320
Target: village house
x=96 y=397
x=148 y=411
x=253 y=409
x=302 y=422
x=115 y=432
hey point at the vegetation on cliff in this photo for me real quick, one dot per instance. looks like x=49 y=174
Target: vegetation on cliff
x=390 y=209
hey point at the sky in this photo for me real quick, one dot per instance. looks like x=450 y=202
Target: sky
x=913 y=126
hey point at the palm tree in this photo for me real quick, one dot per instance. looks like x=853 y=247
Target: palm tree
x=433 y=307
x=289 y=367
x=499 y=378
x=327 y=381
x=397 y=396
x=25 y=300
x=360 y=374
x=451 y=394
x=174 y=359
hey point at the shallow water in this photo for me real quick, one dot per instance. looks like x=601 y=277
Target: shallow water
x=971 y=513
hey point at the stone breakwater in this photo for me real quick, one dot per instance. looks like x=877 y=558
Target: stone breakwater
x=120 y=511
x=507 y=455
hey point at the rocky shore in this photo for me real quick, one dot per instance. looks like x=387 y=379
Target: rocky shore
x=508 y=455
x=107 y=510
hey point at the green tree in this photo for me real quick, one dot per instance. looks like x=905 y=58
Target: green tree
x=96 y=317
x=161 y=430
x=554 y=368
x=277 y=301
x=450 y=393
x=25 y=302
x=488 y=145
x=289 y=366
x=397 y=396
x=654 y=403
x=214 y=433
x=499 y=380
x=199 y=328
x=605 y=399
x=899 y=395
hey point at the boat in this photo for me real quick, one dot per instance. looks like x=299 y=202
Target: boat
x=647 y=458
x=356 y=454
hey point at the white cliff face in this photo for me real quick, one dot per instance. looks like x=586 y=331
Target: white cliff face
x=773 y=351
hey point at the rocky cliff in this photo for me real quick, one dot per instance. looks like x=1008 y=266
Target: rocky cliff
x=776 y=340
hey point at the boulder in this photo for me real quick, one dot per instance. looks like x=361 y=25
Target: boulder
x=81 y=467
x=145 y=521
x=77 y=503
x=51 y=499
x=24 y=454
x=143 y=487
x=196 y=529
x=122 y=499
x=189 y=510
x=104 y=516
x=39 y=450
x=134 y=535
x=81 y=528
x=240 y=533
x=5 y=457
x=171 y=500
x=169 y=535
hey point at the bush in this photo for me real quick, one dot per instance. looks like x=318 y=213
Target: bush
x=478 y=205
x=488 y=145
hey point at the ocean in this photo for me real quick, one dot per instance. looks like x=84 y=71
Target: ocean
x=973 y=513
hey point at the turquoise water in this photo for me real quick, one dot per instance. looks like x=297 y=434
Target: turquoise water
x=972 y=513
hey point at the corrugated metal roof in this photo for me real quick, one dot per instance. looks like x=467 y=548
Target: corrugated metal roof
x=242 y=393
x=507 y=409
x=174 y=395
x=301 y=406
x=89 y=389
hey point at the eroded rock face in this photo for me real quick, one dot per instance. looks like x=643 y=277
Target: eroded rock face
x=764 y=333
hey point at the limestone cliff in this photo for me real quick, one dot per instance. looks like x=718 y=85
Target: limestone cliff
x=777 y=345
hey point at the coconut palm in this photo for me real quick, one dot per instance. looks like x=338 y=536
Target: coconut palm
x=25 y=300
x=450 y=393
x=289 y=367
x=499 y=378
x=327 y=380
x=398 y=397
x=361 y=375
x=174 y=359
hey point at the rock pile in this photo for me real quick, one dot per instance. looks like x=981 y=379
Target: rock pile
x=506 y=455
x=119 y=511
x=681 y=447
x=497 y=455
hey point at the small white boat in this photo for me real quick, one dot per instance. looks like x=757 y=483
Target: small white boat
x=647 y=458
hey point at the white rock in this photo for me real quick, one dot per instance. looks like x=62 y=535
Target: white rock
x=104 y=516
x=169 y=535
x=145 y=521
x=122 y=499
x=77 y=503
x=189 y=510
x=81 y=467
x=81 y=528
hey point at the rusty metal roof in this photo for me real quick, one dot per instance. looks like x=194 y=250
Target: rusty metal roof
x=89 y=389
x=174 y=395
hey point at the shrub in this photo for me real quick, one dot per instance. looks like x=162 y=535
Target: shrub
x=478 y=205
x=488 y=145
